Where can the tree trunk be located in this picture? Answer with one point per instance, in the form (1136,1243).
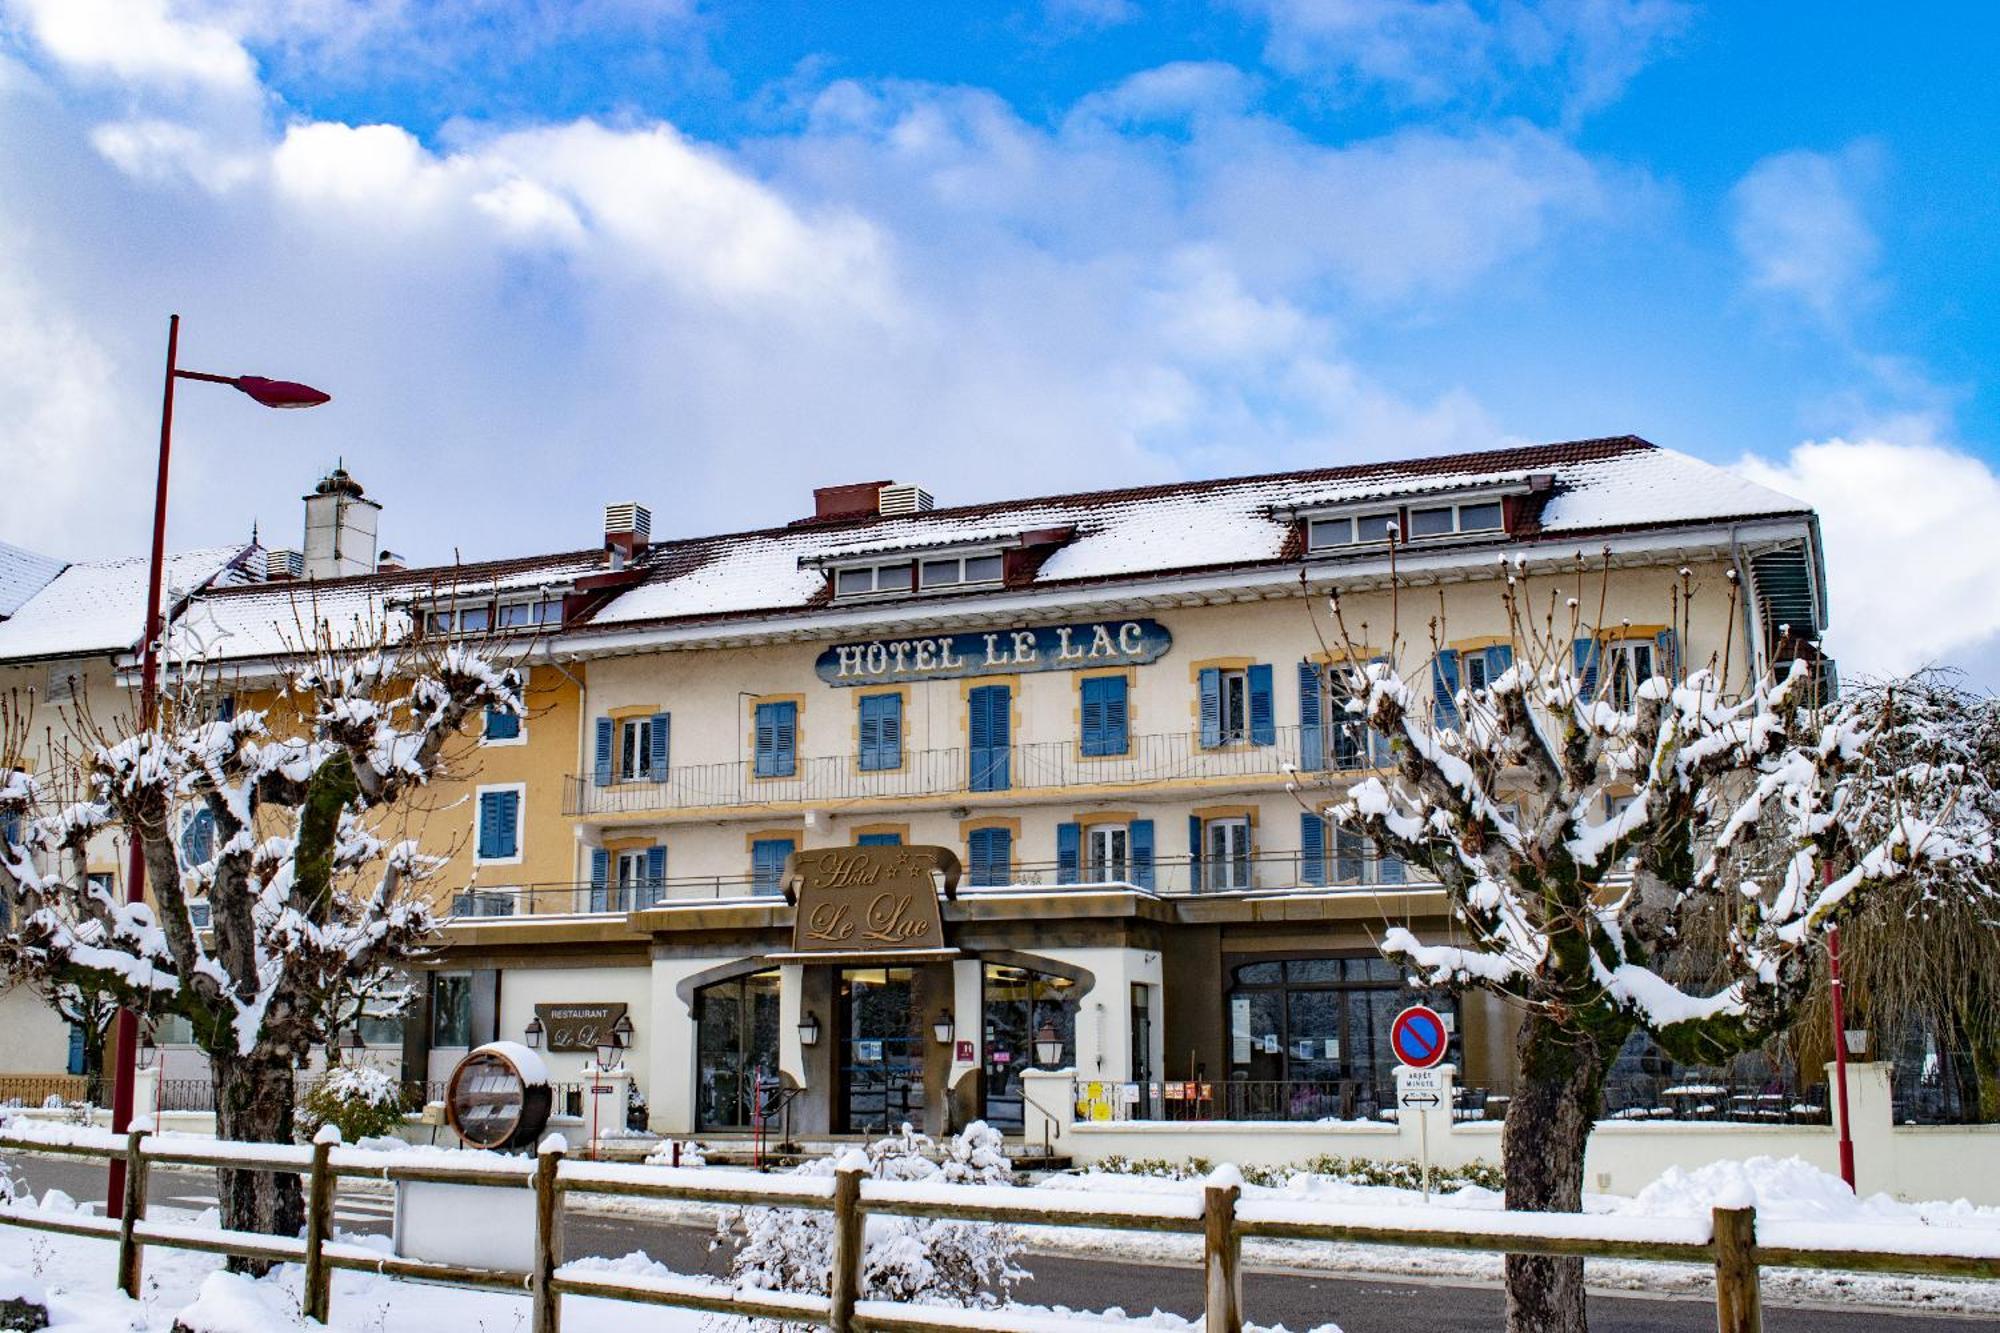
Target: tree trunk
(1558,1097)
(253,1104)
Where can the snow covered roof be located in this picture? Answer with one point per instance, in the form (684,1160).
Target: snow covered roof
(22,574)
(99,606)
(274,620)
(1598,487)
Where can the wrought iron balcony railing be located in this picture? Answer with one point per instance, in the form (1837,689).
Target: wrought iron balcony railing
(1159,758)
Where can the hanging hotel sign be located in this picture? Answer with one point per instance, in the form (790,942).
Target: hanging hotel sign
(869,899)
(578,1027)
(1098,643)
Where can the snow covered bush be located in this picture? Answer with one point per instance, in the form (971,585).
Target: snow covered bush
(360,1101)
(930,1261)
(1399,1173)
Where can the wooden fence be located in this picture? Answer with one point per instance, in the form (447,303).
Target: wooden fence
(1223,1219)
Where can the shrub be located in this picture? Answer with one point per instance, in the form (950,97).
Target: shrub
(359,1101)
(1400,1173)
(907,1259)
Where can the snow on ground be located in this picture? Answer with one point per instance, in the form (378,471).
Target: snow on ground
(75,1276)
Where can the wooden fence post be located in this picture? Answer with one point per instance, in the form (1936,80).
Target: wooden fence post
(546,1311)
(1739,1306)
(132,1254)
(1222,1260)
(319,1229)
(844,1284)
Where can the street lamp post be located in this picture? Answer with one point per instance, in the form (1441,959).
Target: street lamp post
(270,393)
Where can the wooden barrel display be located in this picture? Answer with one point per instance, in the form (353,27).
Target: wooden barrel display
(499,1097)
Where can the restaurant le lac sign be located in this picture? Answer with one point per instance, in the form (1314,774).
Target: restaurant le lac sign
(1097,643)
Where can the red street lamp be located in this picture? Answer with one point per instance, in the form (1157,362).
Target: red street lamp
(271,393)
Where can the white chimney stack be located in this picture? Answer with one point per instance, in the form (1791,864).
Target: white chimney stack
(340,528)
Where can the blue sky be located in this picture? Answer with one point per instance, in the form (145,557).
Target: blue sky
(548,255)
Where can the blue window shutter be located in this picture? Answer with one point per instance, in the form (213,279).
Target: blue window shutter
(1499,658)
(767,862)
(1069,853)
(988,722)
(788,738)
(502,726)
(662,745)
(656,876)
(602,772)
(879,840)
(1444,687)
(881,726)
(990,852)
(1211,708)
(1263,716)
(510,823)
(1105,716)
(76,1048)
(767,740)
(1312,848)
(777,739)
(600,877)
(1667,655)
(891,739)
(1140,836)
(1194,854)
(869,724)
(1588,656)
(1117,716)
(489,823)
(1312,712)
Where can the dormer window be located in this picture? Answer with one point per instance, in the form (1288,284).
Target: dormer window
(869,580)
(1350,529)
(480,617)
(957,571)
(1452,520)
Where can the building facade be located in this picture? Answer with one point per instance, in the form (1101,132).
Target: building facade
(1118,713)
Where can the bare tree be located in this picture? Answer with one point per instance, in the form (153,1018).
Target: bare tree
(306,903)
(1582,813)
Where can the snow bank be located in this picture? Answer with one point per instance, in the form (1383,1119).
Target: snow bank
(232,1303)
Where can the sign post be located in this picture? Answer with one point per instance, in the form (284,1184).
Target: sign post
(1421,1039)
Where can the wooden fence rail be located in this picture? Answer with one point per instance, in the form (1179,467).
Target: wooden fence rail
(1224,1220)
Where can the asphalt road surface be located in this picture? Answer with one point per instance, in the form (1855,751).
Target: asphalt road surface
(1358,1305)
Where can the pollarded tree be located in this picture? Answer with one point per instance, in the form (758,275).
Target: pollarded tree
(304,901)
(1583,812)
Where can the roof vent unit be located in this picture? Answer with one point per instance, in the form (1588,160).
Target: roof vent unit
(904,497)
(284,564)
(627,529)
(390,563)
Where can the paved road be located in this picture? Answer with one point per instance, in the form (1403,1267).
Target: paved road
(1358,1305)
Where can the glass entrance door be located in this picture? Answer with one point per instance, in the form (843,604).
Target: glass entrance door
(881,1053)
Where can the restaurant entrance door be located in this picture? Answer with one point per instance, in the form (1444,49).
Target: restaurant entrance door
(881,1052)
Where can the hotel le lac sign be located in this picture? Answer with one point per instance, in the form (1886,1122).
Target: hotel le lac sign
(1098,643)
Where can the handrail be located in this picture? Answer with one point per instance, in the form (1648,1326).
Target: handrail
(1727,1239)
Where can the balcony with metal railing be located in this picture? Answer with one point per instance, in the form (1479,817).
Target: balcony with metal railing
(1167,876)
(1171,759)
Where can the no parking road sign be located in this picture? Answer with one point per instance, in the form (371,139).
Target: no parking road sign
(1418,1036)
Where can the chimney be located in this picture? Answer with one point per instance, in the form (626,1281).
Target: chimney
(340,528)
(283,565)
(390,563)
(866,499)
(627,529)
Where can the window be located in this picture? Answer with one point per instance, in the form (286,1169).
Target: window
(879,840)
(767,863)
(641,877)
(499,823)
(989,856)
(1309,1037)
(1108,853)
(501,726)
(952,571)
(1468,671)
(437,622)
(1236,705)
(1324,532)
(381,1029)
(777,739)
(989,730)
(1375,527)
(1450,520)
(870,580)
(1351,742)
(736,1042)
(549,611)
(881,727)
(475,619)
(635,749)
(1226,853)
(1018,1005)
(1355,861)
(1105,853)
(451,1009)
(517,615)
(1628,665)
(197,838)
(1106,715)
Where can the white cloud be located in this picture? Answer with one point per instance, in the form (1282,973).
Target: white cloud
(1911,545)
(1801,230)
(162,150)
(147,42)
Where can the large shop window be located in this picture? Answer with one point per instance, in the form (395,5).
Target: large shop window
(1309,1037)
(1019,1004)
(736,1042)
